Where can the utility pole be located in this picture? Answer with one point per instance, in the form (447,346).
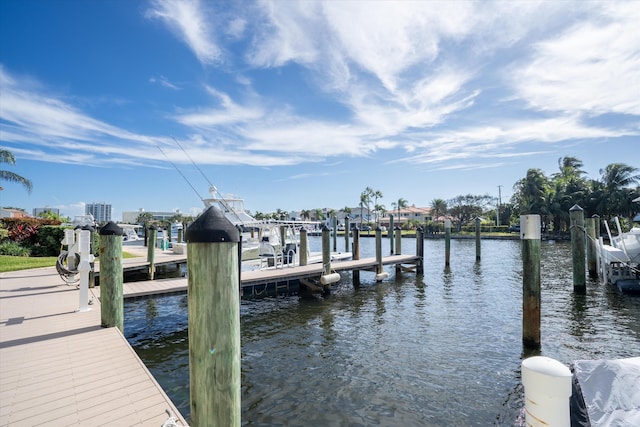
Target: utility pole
(499,203)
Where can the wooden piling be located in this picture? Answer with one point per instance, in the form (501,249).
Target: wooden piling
(346,234)
(530,236)
(335,233)
(478,227)
(304,246)
(420,250)
(151,250)
(379,266)
(398,242)
(576,215)
(390,231)
(592,241)
(180,235)
(326,255)
(447,242)
(355,254)
(214,320)
(111,294)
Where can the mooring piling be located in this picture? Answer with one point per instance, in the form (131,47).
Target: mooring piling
(355,255)
(592,246)
(478,239)
(576,215)
(447,242)
(335,233)
(151,250)
(420,250)
(304,246)
(346,234)
(111,278)
(530,237)
(214,320)
(390,231)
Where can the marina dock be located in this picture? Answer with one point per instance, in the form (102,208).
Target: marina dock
(58,366)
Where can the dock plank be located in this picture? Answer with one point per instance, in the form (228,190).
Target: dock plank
(59,367)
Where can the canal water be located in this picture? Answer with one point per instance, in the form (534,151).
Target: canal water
(439,350)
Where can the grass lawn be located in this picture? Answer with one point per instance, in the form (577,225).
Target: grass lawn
(15,263)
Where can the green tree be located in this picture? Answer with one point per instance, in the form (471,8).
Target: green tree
(440,207)
(400,204)
(7,157)
(566,189)
(376,194)
(465,208)
(616,179)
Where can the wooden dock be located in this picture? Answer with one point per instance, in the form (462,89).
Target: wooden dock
(268,276)
(58,367)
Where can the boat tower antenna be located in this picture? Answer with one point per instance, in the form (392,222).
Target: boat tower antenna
(181,174)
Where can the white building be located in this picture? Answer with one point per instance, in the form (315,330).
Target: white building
(100,211)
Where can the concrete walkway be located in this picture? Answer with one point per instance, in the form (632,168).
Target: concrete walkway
(58,367)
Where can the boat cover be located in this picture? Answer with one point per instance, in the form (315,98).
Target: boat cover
(606,393)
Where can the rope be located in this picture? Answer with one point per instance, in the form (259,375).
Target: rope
(69,276)
(171,421)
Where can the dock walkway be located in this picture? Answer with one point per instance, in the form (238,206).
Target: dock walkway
(58,367)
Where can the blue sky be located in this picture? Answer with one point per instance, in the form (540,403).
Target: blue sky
(301,105)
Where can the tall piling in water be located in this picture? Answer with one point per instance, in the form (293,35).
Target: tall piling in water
(390,231)
(478,227)
(111,288)
(346,234)
(447,242)
(592,258)
(530,237)
(576,215)
(335,233)
(214,320)
(355,255)
(151,251)
(420,250)
(304,246)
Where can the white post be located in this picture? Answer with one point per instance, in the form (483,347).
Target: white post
(84,268)
(72,250)
(547,389)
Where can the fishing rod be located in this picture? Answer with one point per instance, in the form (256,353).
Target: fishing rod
(211,186)
(180,172)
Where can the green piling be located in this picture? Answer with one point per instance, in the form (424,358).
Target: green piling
(214,320)
(530,235)
(576,215)
(111,293)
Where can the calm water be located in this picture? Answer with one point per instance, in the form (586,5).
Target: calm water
(439,350)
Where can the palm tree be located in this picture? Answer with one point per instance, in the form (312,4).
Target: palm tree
(400,204)
(7,157)
(377,194)
(306,214)
(616,177)
(365,199)
(318,214)
(439,206)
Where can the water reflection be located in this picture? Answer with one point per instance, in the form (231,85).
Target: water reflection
(441,349)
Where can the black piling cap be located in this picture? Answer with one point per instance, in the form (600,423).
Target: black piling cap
(111,229)
(212,226)
(153,227)
(89,228)
(575,208)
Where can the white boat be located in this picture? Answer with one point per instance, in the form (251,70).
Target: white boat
(270,243)
(620,259)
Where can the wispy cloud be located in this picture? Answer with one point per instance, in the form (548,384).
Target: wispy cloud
(592,68)
(163,81)
(188,22)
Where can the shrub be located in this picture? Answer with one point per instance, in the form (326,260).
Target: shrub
(14,249)
(47,241)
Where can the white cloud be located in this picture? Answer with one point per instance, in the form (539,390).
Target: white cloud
(593,67)
(187,20)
